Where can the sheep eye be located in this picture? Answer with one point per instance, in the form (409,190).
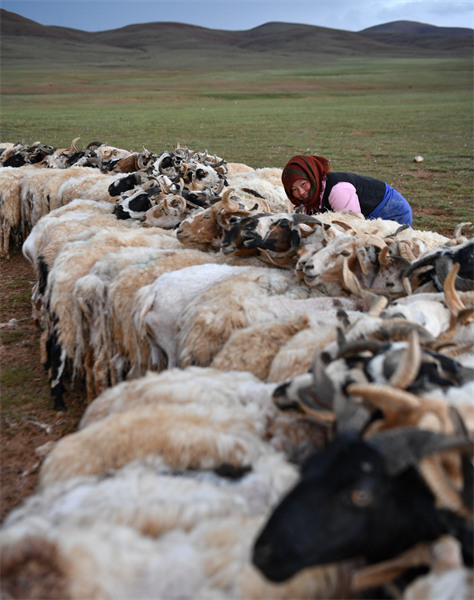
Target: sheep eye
(345,253)
(361,497)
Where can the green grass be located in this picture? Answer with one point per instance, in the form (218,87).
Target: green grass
(368,116)
(13,376)
(19,292)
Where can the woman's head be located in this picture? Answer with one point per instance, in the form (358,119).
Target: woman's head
(302,178)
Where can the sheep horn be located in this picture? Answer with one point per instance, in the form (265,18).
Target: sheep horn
(405,249)
(452,299)
(384,256)
(345,226)
(458,232)
(409,366)
(406,446)
(384,397)
(438,482)
(399,329)
(399,230)
(358,346)
(407,286)
(219,187)
(73,144)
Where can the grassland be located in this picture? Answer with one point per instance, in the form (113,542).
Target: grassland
(367,115)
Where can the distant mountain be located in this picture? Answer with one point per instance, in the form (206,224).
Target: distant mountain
(422,37)
(415,28)
(168,45)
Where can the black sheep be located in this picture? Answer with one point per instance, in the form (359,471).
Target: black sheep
(358,499)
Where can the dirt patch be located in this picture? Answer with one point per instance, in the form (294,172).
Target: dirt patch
(27,418)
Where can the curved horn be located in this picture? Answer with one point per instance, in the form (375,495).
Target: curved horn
(384,256)
(409,366)
(405,249)
(399,230)
(451,297)
(407,286)
(443,490)
(348,228)
(406,446)
(73,144)
(384,397)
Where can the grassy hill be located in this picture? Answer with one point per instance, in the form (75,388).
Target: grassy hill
(167,45)
(369,101)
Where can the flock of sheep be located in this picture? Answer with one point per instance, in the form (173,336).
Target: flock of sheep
(229,347)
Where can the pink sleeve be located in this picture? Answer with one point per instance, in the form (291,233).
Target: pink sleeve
(343,196)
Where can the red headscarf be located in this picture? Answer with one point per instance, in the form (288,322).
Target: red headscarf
(304,166)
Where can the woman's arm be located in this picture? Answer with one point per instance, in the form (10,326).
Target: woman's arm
(343,196)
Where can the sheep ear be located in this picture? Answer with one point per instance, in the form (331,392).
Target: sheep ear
(364,261)
(406,446)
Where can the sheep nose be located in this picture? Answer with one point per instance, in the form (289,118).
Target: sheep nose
(262,554)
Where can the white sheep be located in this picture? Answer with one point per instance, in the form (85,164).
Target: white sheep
(267,183)
(242,301)
(90,185)
(159,305)
(129,354)
(193,384)
(12,231)
(115,561)
(189,436)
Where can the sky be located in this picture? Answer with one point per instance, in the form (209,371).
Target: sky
(349,15)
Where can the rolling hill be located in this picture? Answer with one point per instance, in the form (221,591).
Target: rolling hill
(168,45)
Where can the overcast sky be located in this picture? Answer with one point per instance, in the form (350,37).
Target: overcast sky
(350,15)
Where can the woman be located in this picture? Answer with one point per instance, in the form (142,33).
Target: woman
(308,182)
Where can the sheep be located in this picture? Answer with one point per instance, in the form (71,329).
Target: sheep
(273,237)
(295,356)
(292,434)
(205,228)
(68,223)
(440,262)
(11,228)
(89,186)
(253,348)
(153,499)
(190,436)
(128,351)
(41,190)
(168,213)
(257,297)
(347,487)
(236,168)
(90,309)
(267,183)
(73,261)
(114,561)
(159,305)
(324,268)
(202,330)
(193,384)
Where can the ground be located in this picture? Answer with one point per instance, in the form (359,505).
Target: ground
(28,420)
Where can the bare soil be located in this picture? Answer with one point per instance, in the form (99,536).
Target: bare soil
(27,417)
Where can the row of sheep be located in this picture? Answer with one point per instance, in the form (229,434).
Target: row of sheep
(212,375)
(165,187)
